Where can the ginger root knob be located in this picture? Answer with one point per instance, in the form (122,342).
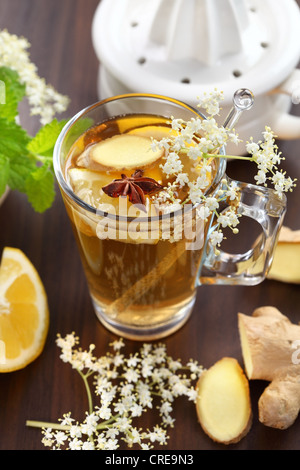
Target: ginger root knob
(267,341)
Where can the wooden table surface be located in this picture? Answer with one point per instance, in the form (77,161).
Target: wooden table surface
(59,32)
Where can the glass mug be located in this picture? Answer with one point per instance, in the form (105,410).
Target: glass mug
(142,271)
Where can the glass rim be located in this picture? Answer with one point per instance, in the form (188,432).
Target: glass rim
(220,173)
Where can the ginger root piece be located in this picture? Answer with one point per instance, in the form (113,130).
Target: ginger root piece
(223,402)
(120,152)
(268,346)
(286,262)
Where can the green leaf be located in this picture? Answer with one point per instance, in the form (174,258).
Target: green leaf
(4,173)
(12,78)
(13,146)
(44,141)
(22,173)
(19,170)
(14,92)
(39,188)
(14,139)
(20,154)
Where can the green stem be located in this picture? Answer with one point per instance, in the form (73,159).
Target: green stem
(44,424)
(64,427)
(107,424)
(233,157)
(67,427)
(89,395)
(88,390)
(218,155)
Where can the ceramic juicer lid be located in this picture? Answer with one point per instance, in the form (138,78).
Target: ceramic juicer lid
(182,48)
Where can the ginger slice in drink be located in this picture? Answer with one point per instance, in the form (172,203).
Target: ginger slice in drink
(158,132)
(120,152)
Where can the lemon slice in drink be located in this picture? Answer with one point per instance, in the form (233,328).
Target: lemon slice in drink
(155,132)
(24,313)
(87,185)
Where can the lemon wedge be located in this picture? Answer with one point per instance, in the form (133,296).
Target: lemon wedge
(24,313)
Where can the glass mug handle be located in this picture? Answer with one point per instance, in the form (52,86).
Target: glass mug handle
(250,268)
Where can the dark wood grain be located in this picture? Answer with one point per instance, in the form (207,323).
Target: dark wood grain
(59,31)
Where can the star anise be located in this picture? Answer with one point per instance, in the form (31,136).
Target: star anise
(134,186)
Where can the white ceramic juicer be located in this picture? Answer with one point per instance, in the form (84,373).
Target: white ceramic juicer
(182,48)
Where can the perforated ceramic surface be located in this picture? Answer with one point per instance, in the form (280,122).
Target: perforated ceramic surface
(182,48)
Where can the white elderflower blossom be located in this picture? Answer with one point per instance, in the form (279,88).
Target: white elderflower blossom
(60,438)
(131,375)
(211,203)
(166,408)
(75,444)
(124,390)
(201,140)
(232,192)
(75,431)
(261,177)
(194,153)
(118,344)
(216,238)
(104,412)
(203,212)
(182,179)
(228,219)
(211,102)
(43,99)
(177,124)
(88,446)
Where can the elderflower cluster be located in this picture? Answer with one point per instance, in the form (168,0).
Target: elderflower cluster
(190,154)
(125,388)
(265,155)
(43,99)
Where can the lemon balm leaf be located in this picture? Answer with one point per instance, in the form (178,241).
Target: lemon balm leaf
(9,108)
(44,141)
(14,92)
(39,187)
(14,139)
(20,154)
(13,147)
(19,167)
(19,170)
(4,173)
(11,77)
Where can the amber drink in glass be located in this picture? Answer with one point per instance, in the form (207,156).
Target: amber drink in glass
(142,261)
